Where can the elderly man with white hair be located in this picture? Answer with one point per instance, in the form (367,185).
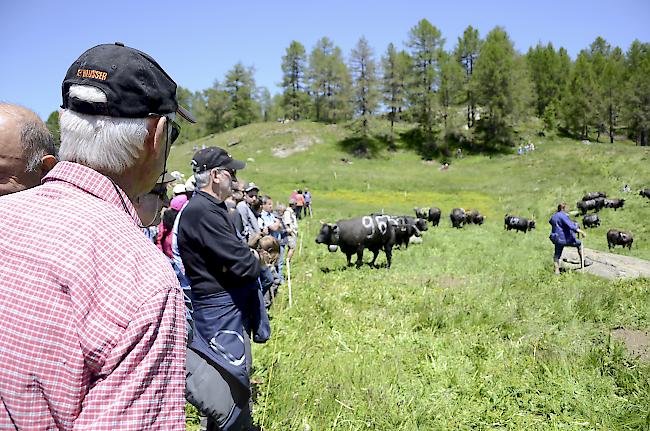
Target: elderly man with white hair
(93,317)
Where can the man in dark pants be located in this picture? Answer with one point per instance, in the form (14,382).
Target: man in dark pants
(563,234)
(227,302)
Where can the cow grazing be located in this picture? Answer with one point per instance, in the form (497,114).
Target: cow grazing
(429,214)
(421,212)
(593,195)
(474,217)
(618,237)
(614,203)
(591,220)
(434,216)
(404,228)
(354,235)
(593,204)
(520,224)
(457,217)
(645,193)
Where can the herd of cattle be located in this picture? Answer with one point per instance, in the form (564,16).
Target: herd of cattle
(377,232)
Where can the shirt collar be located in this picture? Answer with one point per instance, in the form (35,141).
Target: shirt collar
(94,183)
(211,198)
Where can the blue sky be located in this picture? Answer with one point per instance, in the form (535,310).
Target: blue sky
(198,42)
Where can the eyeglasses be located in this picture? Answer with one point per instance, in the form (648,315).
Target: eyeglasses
(175,131)
(231,172)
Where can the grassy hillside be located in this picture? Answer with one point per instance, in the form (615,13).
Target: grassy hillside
(469,329)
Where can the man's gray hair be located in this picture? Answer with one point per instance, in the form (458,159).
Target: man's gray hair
(35,138)
(37,142)
(202,179)
(103,143)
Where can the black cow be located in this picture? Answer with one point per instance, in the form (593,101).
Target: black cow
(614,203)
(618,237)
(645,193)
(434,216)
(593,195)
(593,204)
(474,217)
(404,228)
(591,220)
(421,212)
(354,235)
(520,224)
(458,217)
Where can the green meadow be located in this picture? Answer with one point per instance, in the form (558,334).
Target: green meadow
(469,329)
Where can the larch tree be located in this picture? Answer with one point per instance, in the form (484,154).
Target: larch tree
(294,69)
(637,92)
(329,81)
(426,44)
(395,75)
(578,106)
(466,53)
(363,69)
(240,87)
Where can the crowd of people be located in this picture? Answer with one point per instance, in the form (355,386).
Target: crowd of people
(118,302)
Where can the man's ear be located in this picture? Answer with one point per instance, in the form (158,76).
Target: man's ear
(47,163)
(159,139)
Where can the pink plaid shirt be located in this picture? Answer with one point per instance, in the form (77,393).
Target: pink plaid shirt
(93,325)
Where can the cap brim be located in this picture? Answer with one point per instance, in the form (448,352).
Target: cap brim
(235,165)
(185,114)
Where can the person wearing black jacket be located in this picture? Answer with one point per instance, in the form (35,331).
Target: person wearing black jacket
(223,273)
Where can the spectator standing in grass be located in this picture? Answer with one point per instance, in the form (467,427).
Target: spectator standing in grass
(27,150)
(93,319)
(307,196)
(226,300)
(300,204)
(291,226)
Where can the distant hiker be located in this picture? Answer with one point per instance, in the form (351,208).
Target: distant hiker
(300,203)
(563,234)
(626,188)
(307,196)
(459,153)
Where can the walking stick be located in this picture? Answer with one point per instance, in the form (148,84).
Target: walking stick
(289,282)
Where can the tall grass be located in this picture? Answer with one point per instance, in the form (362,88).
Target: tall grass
(468,330)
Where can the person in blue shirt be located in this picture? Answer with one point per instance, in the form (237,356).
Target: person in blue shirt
(563,233)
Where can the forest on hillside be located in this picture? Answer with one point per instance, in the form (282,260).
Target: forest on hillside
(473,95)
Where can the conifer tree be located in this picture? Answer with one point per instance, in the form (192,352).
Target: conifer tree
(240,87)
(466,53)
(395,68)
(500,83)
(329,82)
(365,83)
(425,43)
(578,105)
(295,97)
(637,92)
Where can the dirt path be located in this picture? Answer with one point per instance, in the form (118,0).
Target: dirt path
(607,265)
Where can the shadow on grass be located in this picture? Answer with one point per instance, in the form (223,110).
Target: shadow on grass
(363,146)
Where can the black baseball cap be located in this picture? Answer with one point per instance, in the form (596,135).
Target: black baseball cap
(134,84)
(214,157)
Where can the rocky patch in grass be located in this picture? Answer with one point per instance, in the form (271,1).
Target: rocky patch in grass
(637,342)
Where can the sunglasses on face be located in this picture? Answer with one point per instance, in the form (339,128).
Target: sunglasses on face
(175,130)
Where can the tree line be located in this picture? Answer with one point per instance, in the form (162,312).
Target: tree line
(474,94)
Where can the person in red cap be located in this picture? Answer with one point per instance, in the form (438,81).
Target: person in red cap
(93,317)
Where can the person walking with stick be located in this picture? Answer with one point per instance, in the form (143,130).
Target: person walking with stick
(563,234)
